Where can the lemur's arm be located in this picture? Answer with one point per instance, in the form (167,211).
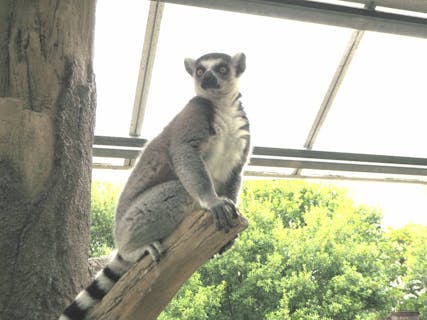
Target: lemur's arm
(232,187)
(191,133)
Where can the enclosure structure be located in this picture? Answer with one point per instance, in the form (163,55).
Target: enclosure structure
(334,89)
(352,108)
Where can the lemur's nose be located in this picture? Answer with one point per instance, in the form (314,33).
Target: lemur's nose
(209,81)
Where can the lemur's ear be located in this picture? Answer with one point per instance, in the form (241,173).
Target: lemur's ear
(239,62)
(190,65)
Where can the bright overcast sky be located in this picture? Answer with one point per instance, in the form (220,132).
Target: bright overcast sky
(381,107)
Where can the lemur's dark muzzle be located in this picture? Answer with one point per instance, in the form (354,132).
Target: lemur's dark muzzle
(209,81)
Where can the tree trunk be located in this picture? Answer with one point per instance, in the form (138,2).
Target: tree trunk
(145,290)
(47,106)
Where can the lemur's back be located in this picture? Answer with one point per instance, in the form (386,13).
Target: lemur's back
(155,164)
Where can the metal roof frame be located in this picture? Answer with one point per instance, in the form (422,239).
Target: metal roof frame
(407,5)
(332,91)
(146,67)
(326,13)
(401,169)
(264,157)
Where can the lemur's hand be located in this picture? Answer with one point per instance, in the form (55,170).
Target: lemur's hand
(224,214)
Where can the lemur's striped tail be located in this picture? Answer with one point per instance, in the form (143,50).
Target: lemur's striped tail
(103,282)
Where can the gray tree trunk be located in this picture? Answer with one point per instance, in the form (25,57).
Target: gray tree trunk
(47,107)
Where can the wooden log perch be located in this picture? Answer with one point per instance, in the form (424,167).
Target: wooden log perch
(145,290)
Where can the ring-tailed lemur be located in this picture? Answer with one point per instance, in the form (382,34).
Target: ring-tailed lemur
(195,162)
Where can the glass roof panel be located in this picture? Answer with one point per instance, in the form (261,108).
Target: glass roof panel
(381,107)
(118,48)
(289,67)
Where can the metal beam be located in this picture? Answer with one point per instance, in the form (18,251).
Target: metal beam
(146,67)
(279,175)
(129,148)
(123,153)
(338,156)
(408,5)
(108,166)
(334,86)
(123,143)
(337,166)
(319,12)
(119,141)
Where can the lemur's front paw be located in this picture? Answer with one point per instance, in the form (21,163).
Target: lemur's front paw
(225,214)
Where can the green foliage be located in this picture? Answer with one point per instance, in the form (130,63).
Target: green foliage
(309,253)
(197,301)
(410,256)
(104,201)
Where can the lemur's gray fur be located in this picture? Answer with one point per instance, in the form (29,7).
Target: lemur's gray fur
(195,162)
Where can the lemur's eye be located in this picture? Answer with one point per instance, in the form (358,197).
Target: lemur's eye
(223,70)
(200,71)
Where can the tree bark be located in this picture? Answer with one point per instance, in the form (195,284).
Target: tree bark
(145,290)
(47,108)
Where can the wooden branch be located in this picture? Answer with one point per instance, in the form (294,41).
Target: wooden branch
(145,290)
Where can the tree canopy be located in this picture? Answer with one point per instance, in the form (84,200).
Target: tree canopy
(309,253)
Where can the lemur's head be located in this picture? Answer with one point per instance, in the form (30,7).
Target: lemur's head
(216,75)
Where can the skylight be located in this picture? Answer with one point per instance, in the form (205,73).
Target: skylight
(119,38)
(289,66)
(381,106)
(377,104)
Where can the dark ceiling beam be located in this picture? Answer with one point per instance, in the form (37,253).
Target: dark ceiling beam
(333,88)
(341,177)
(323,13)
(148,55)
(338,156)
(408,5)
(263,157)
(337,166)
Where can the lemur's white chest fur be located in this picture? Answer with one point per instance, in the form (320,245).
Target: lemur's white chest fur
(225,148)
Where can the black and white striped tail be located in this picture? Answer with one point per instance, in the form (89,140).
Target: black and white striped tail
(99,287)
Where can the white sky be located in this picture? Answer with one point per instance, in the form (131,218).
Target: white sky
(381,107)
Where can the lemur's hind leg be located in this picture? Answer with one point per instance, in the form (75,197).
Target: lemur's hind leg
(158,247)
(154,215)
(155,250)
